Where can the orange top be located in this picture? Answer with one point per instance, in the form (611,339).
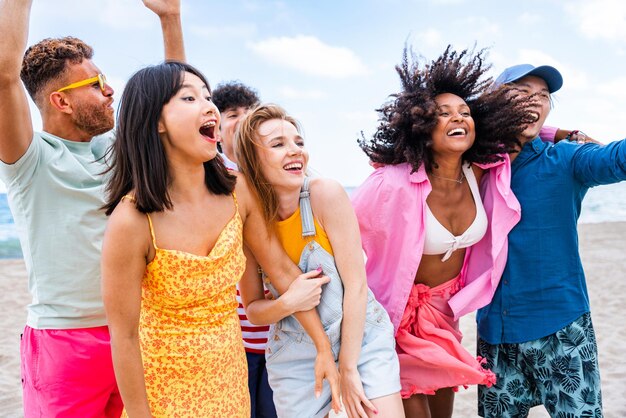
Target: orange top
(289,232)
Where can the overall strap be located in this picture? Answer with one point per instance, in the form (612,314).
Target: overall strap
(306,213)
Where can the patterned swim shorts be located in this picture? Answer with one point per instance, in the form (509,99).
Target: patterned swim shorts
(559,371)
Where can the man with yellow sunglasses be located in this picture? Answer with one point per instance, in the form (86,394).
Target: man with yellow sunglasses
(55,188)
(100,79)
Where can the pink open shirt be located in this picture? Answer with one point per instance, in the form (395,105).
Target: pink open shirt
(390,208)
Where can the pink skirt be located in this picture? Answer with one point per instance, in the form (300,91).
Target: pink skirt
(429,347)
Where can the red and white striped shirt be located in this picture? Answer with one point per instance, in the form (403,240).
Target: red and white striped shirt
(254,336)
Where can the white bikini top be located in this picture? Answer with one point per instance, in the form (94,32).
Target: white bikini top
(439,240)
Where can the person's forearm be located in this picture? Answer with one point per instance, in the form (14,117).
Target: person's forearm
(14,16)
(353,323)
(129,374)
(267,312)
(282,276)
(173,42)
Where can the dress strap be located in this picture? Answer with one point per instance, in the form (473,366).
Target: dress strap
(152,232)
(129,197)
(306,213)
(236,203)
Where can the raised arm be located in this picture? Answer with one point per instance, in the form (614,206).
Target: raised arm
(171,27)
(594,164)
(270,254)
(16,130)
(124,253)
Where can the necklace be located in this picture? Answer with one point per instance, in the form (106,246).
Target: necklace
(459,180)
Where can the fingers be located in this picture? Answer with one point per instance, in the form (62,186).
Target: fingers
(368,404)
(333,381)
(311,274)
(318,382)
(322,280)
(355,410)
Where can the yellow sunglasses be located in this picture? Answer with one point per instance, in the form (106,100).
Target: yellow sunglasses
(100,78)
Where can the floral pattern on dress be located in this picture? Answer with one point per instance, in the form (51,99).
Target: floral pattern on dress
(193,356)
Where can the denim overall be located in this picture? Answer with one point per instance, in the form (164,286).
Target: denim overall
(291,353)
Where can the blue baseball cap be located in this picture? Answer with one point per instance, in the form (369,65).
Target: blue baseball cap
(550,75)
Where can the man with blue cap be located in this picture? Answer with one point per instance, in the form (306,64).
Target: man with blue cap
(536,335)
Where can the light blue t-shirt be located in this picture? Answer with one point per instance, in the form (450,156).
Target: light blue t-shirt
(55,192)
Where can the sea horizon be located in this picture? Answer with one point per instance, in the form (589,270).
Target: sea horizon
(602,204)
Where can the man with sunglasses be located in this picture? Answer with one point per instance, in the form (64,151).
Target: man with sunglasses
(56,188)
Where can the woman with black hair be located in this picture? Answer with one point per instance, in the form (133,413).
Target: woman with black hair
(172,255)
(435,215)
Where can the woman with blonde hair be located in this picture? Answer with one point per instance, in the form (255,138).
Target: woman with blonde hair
(318,229)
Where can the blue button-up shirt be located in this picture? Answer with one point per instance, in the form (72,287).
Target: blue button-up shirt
(543,286)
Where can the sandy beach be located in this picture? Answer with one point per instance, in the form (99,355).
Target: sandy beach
(602,251)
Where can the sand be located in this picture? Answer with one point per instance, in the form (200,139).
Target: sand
(602,249)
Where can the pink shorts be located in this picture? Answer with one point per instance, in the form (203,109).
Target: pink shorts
(68,373)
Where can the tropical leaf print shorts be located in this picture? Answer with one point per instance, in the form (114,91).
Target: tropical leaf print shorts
(559,371)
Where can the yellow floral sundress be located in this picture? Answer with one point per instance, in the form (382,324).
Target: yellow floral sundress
(193,356)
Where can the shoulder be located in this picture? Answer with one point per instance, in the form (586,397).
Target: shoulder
(324,189)
(390,177)
(563,152)
(28,164)
(330,203)
(127,235)
(327,196)
(100,144)
(246,197)
(127,219)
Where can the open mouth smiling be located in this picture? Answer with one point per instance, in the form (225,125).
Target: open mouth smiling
(457,132)
(293,166)
(207,130)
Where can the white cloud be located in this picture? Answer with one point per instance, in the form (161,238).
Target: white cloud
(311,56)
(614,88)
(430,38)
(310,94)
(529,18)
(484,30)
(573,78)
(599,19)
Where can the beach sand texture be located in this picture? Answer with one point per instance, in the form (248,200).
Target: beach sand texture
(605,264)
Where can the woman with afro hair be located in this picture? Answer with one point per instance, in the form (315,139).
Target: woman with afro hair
(434,216)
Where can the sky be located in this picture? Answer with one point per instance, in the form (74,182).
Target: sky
(330,64)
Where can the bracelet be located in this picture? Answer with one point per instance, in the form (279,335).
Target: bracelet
(580,138)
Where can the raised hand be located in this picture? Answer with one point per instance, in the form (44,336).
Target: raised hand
(163,7)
